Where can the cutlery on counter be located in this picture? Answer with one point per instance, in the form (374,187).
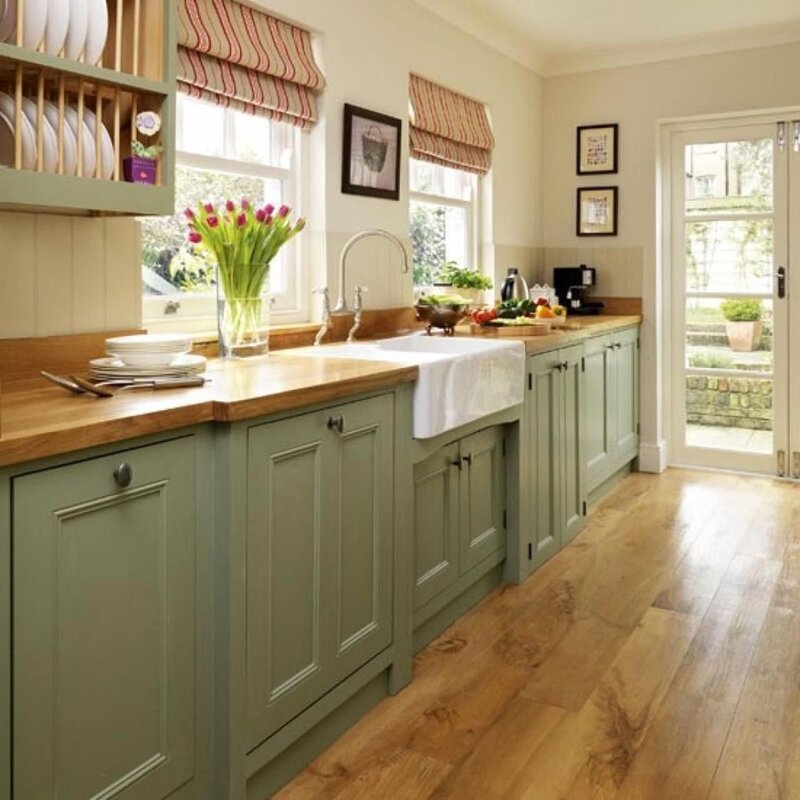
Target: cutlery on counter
(78,385)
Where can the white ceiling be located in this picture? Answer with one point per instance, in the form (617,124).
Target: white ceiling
(555,36)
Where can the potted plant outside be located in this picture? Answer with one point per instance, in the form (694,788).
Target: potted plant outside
(743,323)
(142,166)
(469,282)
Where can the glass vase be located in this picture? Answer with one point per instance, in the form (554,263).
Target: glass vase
(243,324)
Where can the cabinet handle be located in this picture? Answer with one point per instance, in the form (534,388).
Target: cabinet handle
(123,475)
(456,462)
(618,345)
(467,459)
(336,424)
(565,365)
(609,347)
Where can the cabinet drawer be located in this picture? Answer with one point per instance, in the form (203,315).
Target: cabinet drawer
(104,625)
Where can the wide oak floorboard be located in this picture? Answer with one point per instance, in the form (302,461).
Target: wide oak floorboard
(655,658)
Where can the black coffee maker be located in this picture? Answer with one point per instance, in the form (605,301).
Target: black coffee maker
(572,285)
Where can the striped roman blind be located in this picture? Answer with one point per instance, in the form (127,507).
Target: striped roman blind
(448,128)
(235,56)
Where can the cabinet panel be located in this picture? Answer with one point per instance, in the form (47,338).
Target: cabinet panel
(543,443)
(364,477)
(599,408)
(626,431)
(571,403)
(482,496)
(105,626)
(436,523)
(285,511)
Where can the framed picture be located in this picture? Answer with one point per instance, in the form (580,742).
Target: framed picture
(371,153)
(597,211)
(598,149)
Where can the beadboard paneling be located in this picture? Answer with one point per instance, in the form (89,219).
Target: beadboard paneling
(63,275)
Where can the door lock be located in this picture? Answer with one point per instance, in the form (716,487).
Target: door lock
(781,276)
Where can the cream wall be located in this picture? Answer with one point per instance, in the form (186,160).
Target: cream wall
(639,98)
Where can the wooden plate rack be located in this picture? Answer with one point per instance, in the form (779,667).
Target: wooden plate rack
(134,73)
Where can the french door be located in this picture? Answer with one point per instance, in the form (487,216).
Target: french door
(735,201)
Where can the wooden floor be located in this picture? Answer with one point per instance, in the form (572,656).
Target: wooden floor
(656,658)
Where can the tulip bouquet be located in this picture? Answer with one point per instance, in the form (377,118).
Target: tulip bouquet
(243,239)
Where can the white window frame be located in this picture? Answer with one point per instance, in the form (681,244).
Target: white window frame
(198,313)
(472,206)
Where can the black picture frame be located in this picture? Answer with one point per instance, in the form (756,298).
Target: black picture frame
(583,154)
(371,140)
(588,227)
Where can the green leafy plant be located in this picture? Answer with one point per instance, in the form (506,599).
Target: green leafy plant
(140,150)
(735,310)
(453,275)
(711,361)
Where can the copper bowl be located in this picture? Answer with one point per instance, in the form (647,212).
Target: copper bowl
(445,316)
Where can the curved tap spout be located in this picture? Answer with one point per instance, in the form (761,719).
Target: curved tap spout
(341,303)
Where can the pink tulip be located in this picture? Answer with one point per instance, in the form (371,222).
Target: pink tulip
(261,215)
(230,205)
(209,208)
(195,237)
(268,209)
(245,204)
(284,211)
(241,220)
(212,221)
(301,223)
(188,213)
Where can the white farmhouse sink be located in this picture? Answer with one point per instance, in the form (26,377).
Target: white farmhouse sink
(460,380)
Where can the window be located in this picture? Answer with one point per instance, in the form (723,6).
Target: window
(443,219)
(221,154)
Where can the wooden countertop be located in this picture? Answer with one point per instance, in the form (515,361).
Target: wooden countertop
(576,330)
(38,419)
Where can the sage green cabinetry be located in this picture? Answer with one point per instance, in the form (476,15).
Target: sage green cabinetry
(319,555)
(556,490)
(106,626)
(612,404)
(459,511)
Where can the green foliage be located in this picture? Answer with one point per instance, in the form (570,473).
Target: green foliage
(451,274)
(427,242)
(735,310)
(711,361)
(152,151)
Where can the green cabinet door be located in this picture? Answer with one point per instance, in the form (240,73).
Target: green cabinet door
(543,441)
(570,452)
(436,523)
(319,541)
(104,643)
(626,368)
(483,496)
(599,385)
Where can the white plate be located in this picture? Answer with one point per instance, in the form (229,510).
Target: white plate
(112,367)
(142,340)
(55,32)
(49,138)
(6,141)
(89,153)
(78,27)
(70,142)
(106,143)
(35,23)
(97,31)
(8,109)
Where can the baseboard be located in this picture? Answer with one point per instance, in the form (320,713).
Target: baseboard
(653,457)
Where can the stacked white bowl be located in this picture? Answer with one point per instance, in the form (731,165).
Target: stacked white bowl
(150,350)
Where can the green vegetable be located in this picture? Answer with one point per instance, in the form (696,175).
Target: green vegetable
(509,309)
(442,300)
(452,274)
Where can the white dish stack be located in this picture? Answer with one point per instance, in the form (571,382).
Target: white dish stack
(153,355)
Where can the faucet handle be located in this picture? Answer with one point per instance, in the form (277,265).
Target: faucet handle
(358,297)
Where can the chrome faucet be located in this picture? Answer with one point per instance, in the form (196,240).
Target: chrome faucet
(341,304)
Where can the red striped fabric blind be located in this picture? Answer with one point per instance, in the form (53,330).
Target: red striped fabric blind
(448,128)
(235,56)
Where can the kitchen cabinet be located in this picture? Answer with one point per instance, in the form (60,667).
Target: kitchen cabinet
(106,625)
(459,511)
(612,404)
(554,417)
(319,534)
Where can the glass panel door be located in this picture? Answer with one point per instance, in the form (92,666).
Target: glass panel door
(729,341)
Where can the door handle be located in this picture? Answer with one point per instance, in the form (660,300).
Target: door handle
(781,276)
(336,424)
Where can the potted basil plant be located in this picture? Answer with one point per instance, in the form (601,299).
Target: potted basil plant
(743,323)
(470,283)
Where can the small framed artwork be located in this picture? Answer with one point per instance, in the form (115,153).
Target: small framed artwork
(597,211)
(598,149)
(371,153)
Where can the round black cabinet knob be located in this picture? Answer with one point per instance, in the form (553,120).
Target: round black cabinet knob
(123,475)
